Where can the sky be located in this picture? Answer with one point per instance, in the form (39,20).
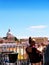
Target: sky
(24,18)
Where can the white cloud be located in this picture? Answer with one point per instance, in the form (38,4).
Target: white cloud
(37,27)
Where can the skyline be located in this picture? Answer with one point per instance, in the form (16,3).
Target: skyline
(25,18)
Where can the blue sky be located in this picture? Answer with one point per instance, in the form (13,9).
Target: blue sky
(24,17)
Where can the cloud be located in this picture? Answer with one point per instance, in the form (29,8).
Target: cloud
(37,27)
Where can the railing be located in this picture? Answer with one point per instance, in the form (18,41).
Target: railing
(22,56)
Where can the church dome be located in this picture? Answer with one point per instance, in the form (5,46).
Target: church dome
(9,34)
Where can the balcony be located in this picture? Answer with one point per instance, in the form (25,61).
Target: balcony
(22,56)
